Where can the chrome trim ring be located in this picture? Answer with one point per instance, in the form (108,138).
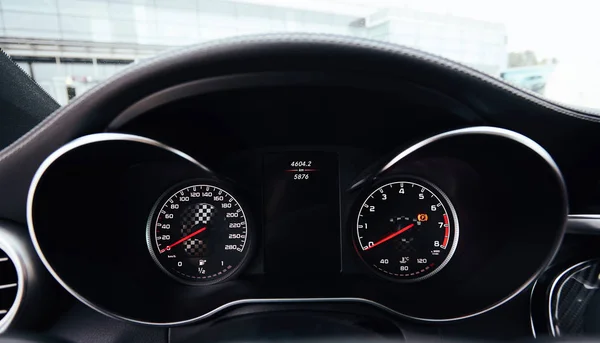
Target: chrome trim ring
(85,140)
(479,130)
(508,134)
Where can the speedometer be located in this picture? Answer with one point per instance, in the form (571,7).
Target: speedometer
(199,233)
(406,230)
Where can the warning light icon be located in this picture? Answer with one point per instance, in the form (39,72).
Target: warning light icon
(422,217)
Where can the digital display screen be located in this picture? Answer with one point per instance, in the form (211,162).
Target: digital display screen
(302,213)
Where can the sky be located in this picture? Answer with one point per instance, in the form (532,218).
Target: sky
(551,28)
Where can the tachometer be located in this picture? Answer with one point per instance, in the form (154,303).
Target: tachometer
(199,233)
(406,230)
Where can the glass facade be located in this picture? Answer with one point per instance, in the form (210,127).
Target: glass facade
(70,45)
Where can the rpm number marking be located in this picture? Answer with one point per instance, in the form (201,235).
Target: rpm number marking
(406,230)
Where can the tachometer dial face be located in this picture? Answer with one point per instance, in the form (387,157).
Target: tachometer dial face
(199,234)
(406,230)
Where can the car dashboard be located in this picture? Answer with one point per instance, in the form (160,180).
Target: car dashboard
(397,192)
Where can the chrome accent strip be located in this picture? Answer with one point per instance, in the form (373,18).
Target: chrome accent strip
(117,136)
(10,285)
(531,310)
(8,247)
(585,216)
(3,259)
(584,224)
(551,293)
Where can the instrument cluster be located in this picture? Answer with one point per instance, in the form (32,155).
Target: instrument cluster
(199,232)
(430,224)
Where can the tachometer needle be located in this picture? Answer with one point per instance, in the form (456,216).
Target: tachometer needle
(387,238)
(169,247)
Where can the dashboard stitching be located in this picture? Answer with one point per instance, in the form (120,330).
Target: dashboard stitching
(290,38)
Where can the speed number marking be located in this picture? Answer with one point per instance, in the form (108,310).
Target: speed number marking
(199,233)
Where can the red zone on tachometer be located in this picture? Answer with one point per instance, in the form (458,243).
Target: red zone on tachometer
(404,230)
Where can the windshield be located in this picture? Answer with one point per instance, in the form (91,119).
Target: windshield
(547,47)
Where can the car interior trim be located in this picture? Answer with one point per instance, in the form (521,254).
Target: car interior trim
(590,220)
(585,224)
(485,130)
(595,219)
(533,332)
(93,138)
(551,292)
(9,248)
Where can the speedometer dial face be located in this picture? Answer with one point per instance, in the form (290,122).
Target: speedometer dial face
(199,234)
(406,230)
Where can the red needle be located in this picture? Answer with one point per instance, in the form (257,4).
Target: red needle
(387,238)
(183,239)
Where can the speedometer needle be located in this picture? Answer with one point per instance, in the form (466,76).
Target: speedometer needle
(387,238)
(183,239)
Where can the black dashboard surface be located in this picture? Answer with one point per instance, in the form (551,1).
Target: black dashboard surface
(231,105)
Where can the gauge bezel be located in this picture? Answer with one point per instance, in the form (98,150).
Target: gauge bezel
(248,245)
(448,206)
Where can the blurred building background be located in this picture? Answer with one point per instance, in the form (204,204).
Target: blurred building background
(68,46)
